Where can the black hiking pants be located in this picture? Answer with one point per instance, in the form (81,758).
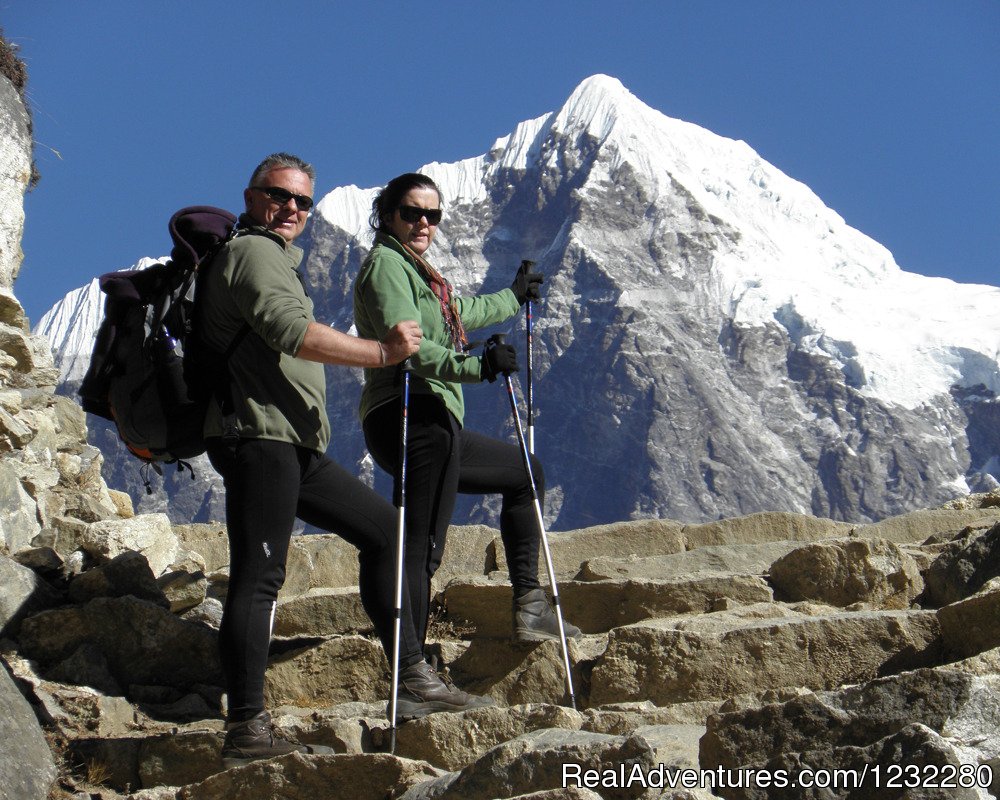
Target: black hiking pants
(443,459)
(269,484)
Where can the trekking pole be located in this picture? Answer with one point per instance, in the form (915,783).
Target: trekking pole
(529,393)
(498,338)
(405,368)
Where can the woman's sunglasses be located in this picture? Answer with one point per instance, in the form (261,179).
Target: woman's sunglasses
(412,214)
(282,196)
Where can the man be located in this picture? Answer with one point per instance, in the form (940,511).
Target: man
(269,448)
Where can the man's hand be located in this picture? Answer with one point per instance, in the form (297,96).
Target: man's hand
(402,341)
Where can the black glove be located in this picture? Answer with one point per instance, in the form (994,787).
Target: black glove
(498,359)
(527,284)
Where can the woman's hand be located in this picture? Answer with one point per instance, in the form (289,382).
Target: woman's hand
(498,359)
(527,284)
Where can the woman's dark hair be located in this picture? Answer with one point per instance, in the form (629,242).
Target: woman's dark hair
(391,197)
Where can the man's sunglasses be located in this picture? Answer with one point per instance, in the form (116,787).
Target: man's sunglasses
(412,214)
(282,196)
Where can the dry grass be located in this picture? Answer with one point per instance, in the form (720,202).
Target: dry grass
(97,773)
(74,777)
(440,628)
(11,67)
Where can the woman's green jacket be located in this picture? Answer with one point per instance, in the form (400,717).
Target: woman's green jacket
(389,289)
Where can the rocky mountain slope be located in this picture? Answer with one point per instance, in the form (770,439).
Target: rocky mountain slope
(782,646)
(714,340)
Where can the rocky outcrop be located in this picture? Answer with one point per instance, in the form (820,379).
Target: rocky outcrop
(44,458)
(27,766)
(938,722)
(964,566)
(843,572)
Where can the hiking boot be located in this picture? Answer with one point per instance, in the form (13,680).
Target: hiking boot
(254,739)
(535,621)
(423,691)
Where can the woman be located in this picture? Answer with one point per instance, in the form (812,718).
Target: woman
(443,458)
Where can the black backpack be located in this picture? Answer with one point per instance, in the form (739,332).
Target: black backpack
(149,372)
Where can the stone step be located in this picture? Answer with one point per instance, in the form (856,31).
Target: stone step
(547,759)
(754,648)
(339,670)
(172,758)
(766,526)
(321,612)
(917,526)
(650,537)
(737,559)
(972,625)
(362,776)
(484,605)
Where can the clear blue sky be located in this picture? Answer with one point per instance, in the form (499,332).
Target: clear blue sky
(888,110)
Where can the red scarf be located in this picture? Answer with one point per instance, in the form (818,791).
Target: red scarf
(446,298)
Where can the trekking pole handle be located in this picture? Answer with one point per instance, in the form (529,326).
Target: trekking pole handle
(403,368)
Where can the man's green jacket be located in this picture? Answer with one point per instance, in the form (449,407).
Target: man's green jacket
(276,396)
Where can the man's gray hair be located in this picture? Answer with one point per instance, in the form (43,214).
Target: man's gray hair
(281,161)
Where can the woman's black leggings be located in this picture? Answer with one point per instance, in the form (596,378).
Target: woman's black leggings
(269,484)
(443,459)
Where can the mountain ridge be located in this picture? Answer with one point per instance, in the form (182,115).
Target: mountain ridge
(713,339)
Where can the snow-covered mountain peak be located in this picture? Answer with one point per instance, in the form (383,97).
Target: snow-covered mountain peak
(347,207)
(780,255)
(740,346)
(598,104)
(71,325)
(520,149)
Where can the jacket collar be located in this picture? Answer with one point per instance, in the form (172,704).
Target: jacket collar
(390,241)
(246,225)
